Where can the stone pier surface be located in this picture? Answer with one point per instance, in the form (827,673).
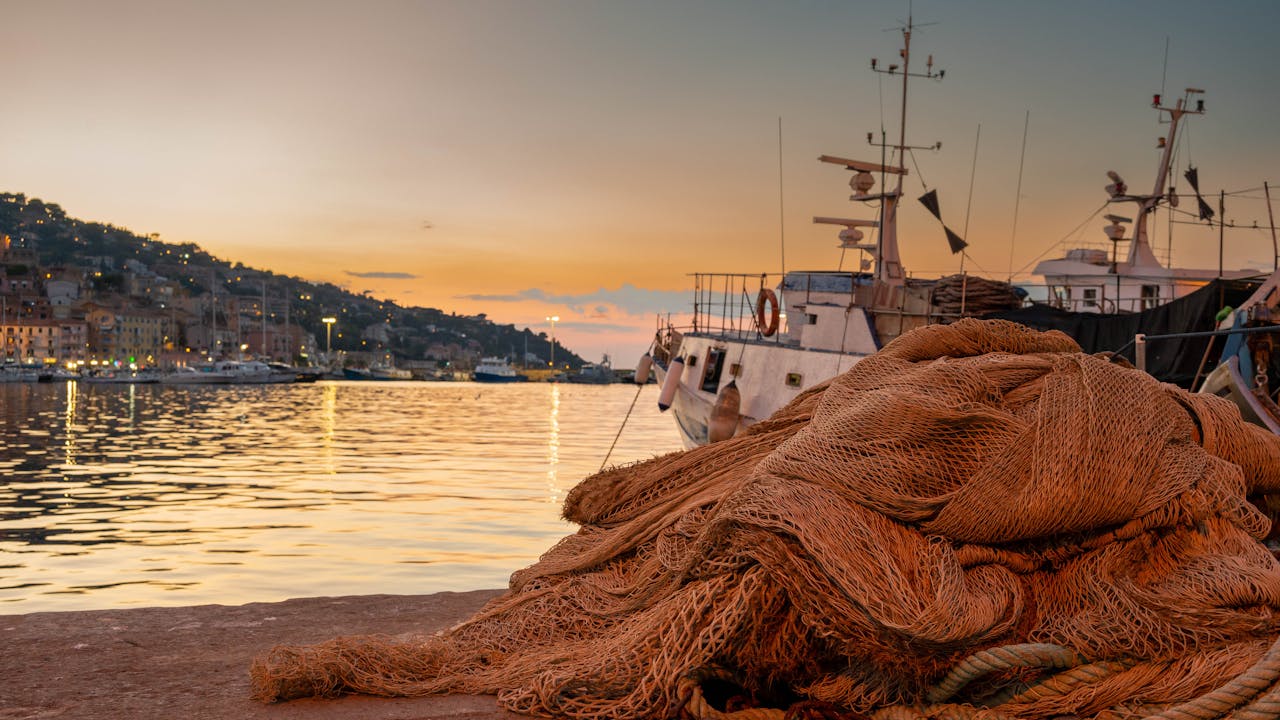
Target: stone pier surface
(193,662)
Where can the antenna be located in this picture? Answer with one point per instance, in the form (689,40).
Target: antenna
(1164,72)
(782,225)
(1017,199)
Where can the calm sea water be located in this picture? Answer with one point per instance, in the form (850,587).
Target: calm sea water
(119,496)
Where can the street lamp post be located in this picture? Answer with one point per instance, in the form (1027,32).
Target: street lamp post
(328,333)
(553,320)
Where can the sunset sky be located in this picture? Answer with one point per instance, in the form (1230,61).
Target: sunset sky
(528,158)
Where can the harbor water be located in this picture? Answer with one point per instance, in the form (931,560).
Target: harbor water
(143,495)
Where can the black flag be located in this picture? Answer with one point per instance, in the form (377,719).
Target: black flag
(930,201)
(1193,176)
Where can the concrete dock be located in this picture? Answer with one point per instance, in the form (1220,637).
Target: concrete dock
(193,662)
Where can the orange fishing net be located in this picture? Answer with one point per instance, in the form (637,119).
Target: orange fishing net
(977,521)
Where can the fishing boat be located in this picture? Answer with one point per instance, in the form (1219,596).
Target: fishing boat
(1091,280)
(496,370)
(755,342)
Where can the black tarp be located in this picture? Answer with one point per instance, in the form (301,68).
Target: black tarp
(1175,360)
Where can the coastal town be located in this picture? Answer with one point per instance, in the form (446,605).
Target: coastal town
(82,298)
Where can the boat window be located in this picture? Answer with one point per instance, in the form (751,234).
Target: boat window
(1150,296)
(794,379)
(1090,297)
(693,361)
(811,318)
(715,365)
(735,370)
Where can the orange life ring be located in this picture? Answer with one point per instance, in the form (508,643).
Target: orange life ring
(768,324)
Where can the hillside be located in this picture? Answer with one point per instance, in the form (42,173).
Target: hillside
(411,333)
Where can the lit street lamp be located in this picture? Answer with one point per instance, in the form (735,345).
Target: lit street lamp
(553,319)
(328,333)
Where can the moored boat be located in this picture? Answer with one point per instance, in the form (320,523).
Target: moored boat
(389,372)
(600,373)
(496,370)
(740,361)
(803,327)
(195,375)
(122,376)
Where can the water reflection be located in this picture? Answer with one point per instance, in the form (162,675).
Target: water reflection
(148,494)
(553,446)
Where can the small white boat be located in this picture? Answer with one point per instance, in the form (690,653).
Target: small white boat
(121,377)
(199,375)
(496,370)
(388,372)
(247,372)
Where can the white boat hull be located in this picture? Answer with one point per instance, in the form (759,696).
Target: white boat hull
(769,376)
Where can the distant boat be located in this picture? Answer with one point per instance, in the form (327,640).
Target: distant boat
(594,373)
(122,377)
(289,373)
(202,375)
(377,372)
(497,370)
(389,372)
(249,372)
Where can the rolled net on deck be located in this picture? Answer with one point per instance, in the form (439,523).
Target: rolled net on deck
(977,521)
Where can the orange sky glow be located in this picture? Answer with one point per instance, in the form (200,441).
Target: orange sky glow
(582,158)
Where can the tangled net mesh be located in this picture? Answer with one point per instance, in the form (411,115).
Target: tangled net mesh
(977,521)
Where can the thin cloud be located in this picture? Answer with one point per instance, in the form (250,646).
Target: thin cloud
(628,298)
(383,275)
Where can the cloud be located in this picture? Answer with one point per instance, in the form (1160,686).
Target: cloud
(383,275)
(628,298)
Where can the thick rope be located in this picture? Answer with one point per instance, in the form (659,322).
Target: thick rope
(1062,683)
(1240,690)
(1002,658)
(1266,707)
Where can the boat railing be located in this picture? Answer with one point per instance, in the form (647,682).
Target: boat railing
(1101,298)
(726,304)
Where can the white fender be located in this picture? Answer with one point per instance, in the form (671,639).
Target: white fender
(724,414)
(674,372)
(643,369)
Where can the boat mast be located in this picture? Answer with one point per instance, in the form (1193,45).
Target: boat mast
(885,249)
(888,260)
(1140,253)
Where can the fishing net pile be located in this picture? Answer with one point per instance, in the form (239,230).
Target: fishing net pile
(977,521)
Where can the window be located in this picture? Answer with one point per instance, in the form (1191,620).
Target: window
(715,365)
(1091,297)
(811,319)
(794,379)
(1150,296)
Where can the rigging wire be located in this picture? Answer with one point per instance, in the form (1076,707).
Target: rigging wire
(1063,239)
(919,174)
(1017,201)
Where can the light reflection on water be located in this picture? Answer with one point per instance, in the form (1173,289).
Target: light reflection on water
(128,495)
